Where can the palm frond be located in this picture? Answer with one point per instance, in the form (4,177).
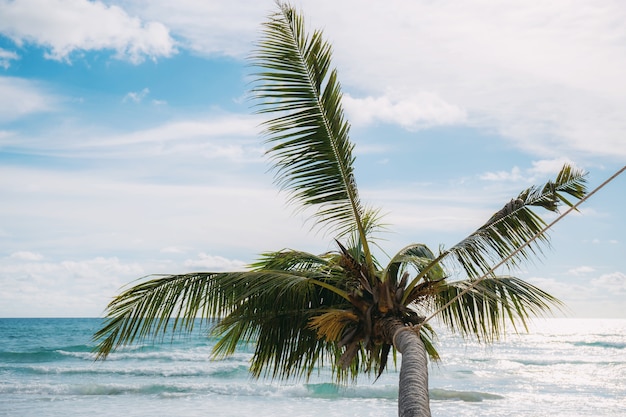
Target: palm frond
(373,226)
(290,260)
(485,310)
(319,266)
(517,223)
(173,302)
(419,257)
(311,151)
(277,323)
(149,308)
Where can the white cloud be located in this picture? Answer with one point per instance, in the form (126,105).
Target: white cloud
(615,282)
(215,263)
(26,256)
(581,270)
(207,27)
(108,266)
(514,175)
(547,167)
(539,171)
(232,138)
(132,229)
(173,249)
(547,75)
(564,291)
(421,209)
(581,299)
(226,126)
(136,96)
(504,67)
(19,97)
(226,137)
(82,287)
(66,26)
(6,57)
(420,111)
(135,216)
(441,218)
(216,127)
(76,288)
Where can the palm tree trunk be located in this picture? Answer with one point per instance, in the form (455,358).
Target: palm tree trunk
(413,398)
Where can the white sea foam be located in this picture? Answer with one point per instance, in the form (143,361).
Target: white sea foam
(561,368)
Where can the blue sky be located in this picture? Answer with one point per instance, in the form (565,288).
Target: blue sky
(128,147)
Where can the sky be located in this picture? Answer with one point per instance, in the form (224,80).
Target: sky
(129,145)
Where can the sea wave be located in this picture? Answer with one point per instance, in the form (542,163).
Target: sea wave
(46,354)
(202,354)
(217,370)
(177,389)
(88,389)
(30,357)
(50,371)
(601,344)
(438,394)
(331,390)
(84,352)
(592,361)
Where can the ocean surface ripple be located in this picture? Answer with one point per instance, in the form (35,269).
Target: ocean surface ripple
(562,367)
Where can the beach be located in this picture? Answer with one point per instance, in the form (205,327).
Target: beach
(563,367)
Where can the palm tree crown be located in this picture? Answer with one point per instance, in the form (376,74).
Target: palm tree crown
(339,308)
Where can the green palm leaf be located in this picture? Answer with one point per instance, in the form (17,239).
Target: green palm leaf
(270,307)
(311,150)
(515,229)
(285,344)
(147,309)
(276,320)
(508,230)
(418,256)
(489,305)
(174,302)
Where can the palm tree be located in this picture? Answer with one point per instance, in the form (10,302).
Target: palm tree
(342,308)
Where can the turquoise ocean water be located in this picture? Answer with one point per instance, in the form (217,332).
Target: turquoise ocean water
(564,367)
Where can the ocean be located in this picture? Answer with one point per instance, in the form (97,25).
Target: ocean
(563,367)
